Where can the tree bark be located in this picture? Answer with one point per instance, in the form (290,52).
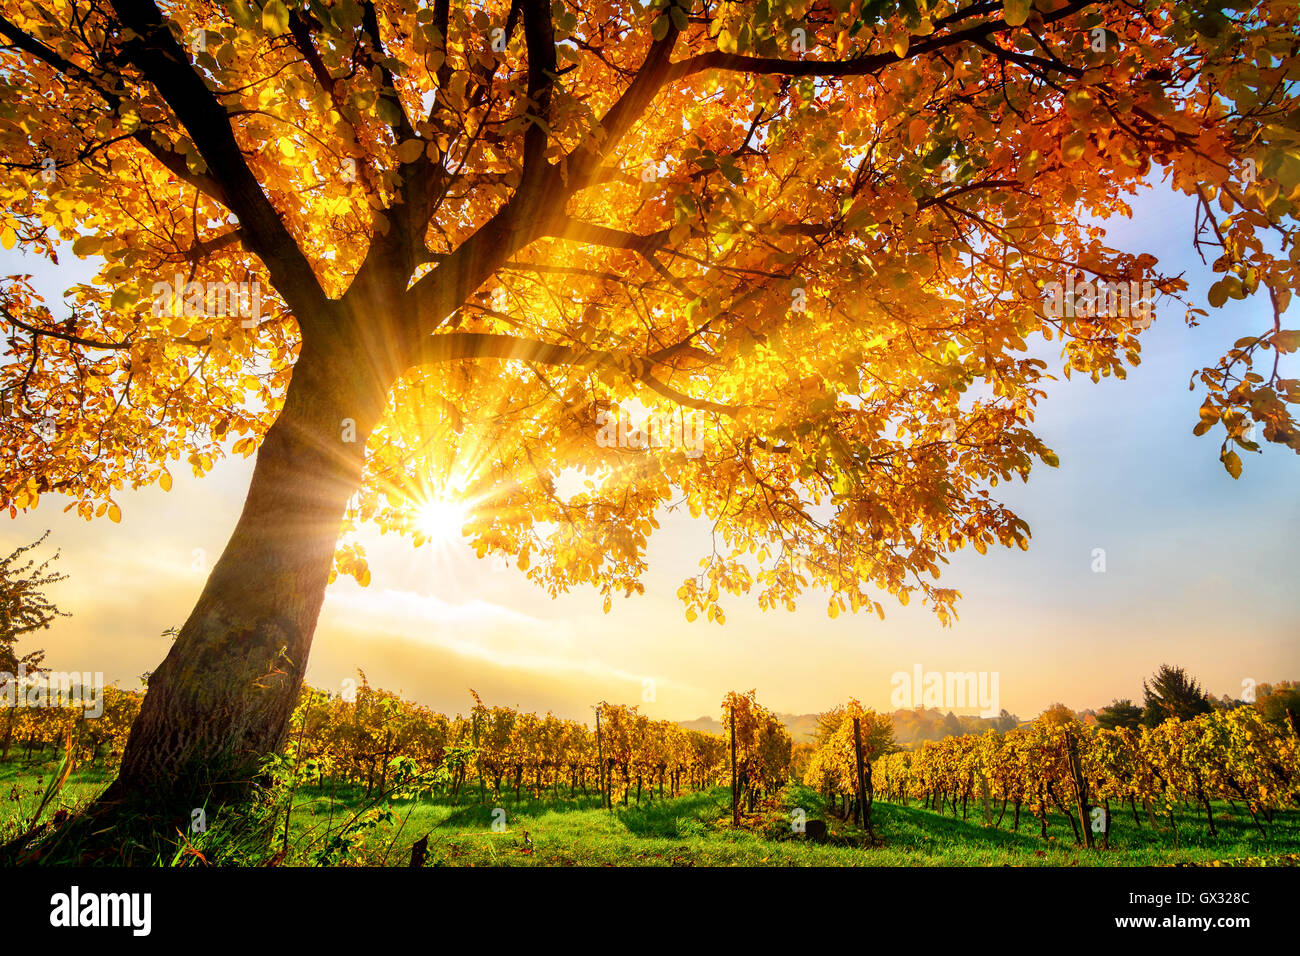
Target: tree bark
(222,698)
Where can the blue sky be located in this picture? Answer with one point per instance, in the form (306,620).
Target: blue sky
(1201,570)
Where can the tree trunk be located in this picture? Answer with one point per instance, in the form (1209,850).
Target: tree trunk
(1209,811)
(9,733)
(1056,800)
(222,698)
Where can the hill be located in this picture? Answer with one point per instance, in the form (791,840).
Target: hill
(910,726)
(801,726)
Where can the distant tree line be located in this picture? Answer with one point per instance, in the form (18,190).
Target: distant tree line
(1173,694)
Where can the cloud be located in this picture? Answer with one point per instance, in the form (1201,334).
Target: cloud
(477,630)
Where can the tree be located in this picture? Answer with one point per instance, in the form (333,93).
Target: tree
(1172,693)
(1280,703)
(842,734)
(1058,715)
(1120,713)
(24,608)
(813,239)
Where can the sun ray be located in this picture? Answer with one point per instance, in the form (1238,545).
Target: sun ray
(440,520)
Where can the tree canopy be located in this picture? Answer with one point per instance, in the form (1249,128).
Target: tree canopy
(822,231)
(1172,693)
(1120,713)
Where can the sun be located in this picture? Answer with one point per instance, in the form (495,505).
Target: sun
(440,521)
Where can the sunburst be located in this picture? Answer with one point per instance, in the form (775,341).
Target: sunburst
(441,520)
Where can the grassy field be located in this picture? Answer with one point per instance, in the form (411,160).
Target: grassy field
(694,830)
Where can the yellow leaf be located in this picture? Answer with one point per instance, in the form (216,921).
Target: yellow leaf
(8,238)
(165,479)
(1016,12)
(114,513)
(275,18)
(410,151)
(1232,463)
(916,131)
(1073,145)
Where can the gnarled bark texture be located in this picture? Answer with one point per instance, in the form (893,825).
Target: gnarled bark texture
(222,698)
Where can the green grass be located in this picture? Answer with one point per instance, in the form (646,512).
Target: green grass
(695,830)
(22,786)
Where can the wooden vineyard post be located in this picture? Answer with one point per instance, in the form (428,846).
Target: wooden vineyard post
(862,785)
(600,765)
(478,765)
(735,793)
(1080,789)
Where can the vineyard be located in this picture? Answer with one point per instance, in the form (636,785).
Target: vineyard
(1083,772)
(369,736)
(626,788)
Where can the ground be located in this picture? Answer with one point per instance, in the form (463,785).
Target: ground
(690,830)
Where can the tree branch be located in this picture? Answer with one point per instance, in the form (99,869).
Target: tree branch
(855,66)
(457,346)
(539,35)
(164,64)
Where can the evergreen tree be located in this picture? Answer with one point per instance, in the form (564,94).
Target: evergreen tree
(1120,713)
(1172,693)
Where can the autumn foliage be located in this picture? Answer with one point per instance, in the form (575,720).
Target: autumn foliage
(829,235)
(829,227)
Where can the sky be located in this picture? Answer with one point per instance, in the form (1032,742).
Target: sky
(1200,570)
